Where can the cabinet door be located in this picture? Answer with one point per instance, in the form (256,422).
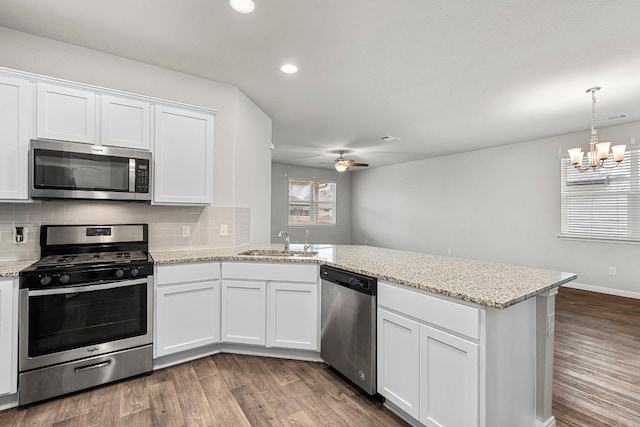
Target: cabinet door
(183,153)
(65,113)
(398,361)
(244,312)
(8,365)
(449,369)
(14,138)
(293,315)
(187,316)
(125,122)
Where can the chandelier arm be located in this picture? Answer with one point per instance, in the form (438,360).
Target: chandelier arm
(615,165)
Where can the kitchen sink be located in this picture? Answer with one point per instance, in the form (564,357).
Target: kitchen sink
(271,252)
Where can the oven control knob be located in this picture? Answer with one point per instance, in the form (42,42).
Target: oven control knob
(119,273)
(45,280)
(64,278)
(134,272)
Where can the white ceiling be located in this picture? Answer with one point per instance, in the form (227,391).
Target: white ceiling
(446,76)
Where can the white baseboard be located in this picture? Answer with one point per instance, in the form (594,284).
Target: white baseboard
(550,422)
(197,353)
(603,290)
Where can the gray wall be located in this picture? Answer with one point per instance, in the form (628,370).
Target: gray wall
(242,159)
(339,234)
(500,204)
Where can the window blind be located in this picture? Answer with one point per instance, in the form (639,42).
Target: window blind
(601,204)
(312,202)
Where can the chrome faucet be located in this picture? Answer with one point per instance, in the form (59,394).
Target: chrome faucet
(307,246)
(285,240)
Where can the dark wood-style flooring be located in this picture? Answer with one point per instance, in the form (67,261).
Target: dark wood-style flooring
(596,379)
(596,383)
(221,390)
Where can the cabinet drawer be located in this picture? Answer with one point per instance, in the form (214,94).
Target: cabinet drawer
(283,272)
(188,272)
(450,315)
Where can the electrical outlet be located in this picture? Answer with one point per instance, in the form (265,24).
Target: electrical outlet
(19,235)
(612,271)
(224,229)
(186,231)
(448,251)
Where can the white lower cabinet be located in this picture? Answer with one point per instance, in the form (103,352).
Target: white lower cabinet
(398,361)
(429,363)
(449,377)
(270,304)
(293,315)
(244,312)
(8,337)
(187,307)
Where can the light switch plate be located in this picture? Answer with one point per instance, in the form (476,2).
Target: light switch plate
(224,229)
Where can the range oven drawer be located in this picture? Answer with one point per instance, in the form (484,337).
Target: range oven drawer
(68,377)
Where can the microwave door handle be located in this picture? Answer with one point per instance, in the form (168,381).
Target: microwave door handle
(86,288)
(132,175)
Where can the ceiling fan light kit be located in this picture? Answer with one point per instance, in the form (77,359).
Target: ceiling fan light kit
(598,151)
(342,164)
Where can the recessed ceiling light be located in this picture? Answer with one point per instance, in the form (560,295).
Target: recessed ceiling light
(242,6)
(289,69)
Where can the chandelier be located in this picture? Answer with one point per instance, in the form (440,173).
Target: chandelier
(598,151)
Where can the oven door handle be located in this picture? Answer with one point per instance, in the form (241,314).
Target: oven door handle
(89,287)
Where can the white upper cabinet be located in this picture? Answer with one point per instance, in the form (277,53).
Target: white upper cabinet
(14,138)
(65,113)
(125,122)
(183,155)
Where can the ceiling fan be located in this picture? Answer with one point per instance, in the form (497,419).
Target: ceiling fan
(342,164)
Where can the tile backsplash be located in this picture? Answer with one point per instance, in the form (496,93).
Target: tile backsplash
(165,224)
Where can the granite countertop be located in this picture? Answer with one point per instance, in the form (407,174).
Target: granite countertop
(485,283)
(12,268)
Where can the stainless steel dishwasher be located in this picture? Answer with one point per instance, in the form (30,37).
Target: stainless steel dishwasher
(348,319)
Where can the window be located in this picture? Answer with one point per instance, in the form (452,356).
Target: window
(312,202)
(602,204)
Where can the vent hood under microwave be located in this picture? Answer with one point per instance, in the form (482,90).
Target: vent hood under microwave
(71,170)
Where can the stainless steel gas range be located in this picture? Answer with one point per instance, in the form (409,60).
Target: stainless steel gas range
(86,310)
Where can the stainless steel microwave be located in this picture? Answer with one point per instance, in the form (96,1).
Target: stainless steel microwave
(71,170)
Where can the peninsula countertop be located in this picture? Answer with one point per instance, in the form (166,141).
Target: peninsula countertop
(489,284)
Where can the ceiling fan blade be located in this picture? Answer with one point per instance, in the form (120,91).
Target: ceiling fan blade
(357,164)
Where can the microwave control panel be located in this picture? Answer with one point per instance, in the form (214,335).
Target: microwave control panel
(142,176)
